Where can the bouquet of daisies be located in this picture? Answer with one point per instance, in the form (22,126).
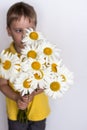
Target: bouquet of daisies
(39,66)
(42,66)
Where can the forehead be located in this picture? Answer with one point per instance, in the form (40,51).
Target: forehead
(23,22)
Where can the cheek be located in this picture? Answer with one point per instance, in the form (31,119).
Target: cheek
(17,38)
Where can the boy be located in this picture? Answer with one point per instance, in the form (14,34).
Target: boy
(19,17)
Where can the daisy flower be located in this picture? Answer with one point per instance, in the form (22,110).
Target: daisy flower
(55,87)
(22,84)
(31,36)
(55,66)
(49,52)
(38,80)
(31,51)
(32,65)
(9,65)
(41,79)
(66,75)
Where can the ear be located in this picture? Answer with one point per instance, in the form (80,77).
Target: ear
(8,31)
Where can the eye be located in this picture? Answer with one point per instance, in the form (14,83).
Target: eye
(18,30)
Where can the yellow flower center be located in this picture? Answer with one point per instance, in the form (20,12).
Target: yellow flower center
(37,76)
(26,83)
(54,69)
(33,35)
(32,54)
(55,86)
(36,65)
(63,77)
(7,64)
(47,51)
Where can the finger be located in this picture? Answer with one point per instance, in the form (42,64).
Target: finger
(22,106)
(25,98)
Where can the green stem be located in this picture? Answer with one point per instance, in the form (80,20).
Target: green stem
(22,116)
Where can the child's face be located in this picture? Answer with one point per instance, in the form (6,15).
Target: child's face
(16,31)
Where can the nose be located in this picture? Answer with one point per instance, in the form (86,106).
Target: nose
(23,33)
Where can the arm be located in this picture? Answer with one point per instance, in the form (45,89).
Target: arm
(22,102)
(7,90)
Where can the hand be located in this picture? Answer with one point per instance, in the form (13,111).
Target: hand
(38,91)
(28,98)
(23,102)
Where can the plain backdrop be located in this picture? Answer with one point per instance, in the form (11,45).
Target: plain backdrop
(63,22)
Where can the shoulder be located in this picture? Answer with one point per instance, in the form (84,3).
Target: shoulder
(11,48)
(7,50)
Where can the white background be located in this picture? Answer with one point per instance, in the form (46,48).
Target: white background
(63,22)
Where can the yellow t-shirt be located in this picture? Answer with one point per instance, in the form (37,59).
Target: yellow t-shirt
(38,109)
